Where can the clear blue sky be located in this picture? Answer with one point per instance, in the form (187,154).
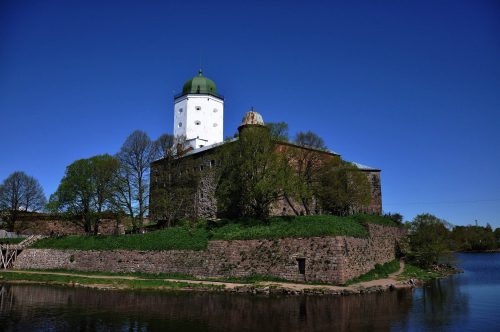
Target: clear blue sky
(411,87)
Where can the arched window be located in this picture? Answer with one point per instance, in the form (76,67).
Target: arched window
(197,122)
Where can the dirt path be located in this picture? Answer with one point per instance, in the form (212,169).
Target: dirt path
(391,280)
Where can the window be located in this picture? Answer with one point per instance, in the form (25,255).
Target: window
(215,110)
(197,122)
(302,265)
(180,124)
(180,110)
(215,124)
(198,108)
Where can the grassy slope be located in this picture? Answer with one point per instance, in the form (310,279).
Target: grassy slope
(12,240)
(167,239)
(184,238)
(415,272)
(379,272)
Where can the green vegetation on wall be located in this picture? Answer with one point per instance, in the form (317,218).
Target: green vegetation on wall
(196,238)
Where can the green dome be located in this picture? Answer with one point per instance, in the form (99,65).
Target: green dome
(200,85)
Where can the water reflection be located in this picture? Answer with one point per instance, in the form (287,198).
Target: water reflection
(465,302)
(33,308)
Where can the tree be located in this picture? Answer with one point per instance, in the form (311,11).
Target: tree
(135,157)
(343,189)
(104,170)
(20,192)
(497,236)
(307,162)
(86,189)
(310,139)
(251,175)
(75,193)
(428,239)
(279,130)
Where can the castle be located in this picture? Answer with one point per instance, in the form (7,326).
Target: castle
(198,122)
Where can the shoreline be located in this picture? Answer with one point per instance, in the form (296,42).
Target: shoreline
(116,282)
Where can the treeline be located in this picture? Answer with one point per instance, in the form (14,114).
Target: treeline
(430,238)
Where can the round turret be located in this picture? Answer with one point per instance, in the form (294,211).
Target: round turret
(252,119)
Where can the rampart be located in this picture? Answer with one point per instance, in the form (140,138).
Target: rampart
(317,259)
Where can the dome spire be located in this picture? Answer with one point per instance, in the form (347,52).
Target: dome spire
(200,72)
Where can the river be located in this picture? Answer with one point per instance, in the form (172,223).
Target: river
(465,302)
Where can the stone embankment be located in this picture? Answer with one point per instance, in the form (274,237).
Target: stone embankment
(333,260)
(261,288)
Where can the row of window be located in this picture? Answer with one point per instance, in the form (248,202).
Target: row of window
(197,122)
(198,108)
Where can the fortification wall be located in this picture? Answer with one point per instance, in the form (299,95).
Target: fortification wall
(327,259)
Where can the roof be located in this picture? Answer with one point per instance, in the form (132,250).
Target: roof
(200,85)
(364,167)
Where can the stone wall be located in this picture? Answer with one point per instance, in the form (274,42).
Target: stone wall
(65,227)
(327,259)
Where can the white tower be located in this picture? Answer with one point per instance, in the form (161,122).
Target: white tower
(198,113)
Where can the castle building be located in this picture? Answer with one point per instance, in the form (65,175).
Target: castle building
(198,124)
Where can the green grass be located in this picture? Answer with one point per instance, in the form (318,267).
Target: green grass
(117,283)
(179,238)
(196,238)
(379,272)
(282,227)
(15,240)
(415,272)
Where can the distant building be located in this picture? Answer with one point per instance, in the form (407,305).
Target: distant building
(198,123)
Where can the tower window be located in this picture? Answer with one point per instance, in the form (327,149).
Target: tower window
(180,124)
(215,110)
(197,122)
(180,110)
(198,108)
(215,124)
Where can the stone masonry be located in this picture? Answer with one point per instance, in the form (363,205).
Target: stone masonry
(326,259)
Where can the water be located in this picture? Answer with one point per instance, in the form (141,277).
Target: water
(465,302)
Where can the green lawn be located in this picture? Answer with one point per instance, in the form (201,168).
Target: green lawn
(15,240)
(186,238)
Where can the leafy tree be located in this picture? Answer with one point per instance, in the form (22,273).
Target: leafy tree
(343,189)
(497,236)
(75,193)
(86,190)
(310,139)
(396,217)
(307,163)
(135,157)
(20,192)
(251,175)
(279,130)
(428,239)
